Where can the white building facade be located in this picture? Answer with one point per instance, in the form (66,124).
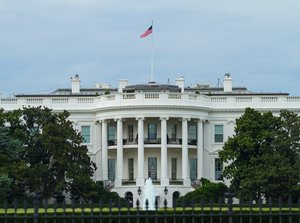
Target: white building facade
(170,133)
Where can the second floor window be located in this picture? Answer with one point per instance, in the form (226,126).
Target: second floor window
(173,131)
(130,133)
(86,134)
(111,133)
(152,131)
(218,133)
(192,132)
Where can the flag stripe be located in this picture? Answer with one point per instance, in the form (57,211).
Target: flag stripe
(147,33)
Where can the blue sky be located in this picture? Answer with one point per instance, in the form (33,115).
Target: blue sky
(43,43)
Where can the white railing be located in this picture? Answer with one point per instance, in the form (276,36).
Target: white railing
(268,99)
(218,99)
(159,98)
(36,101)
(9,101)
(152,96)
(60,100)
(85,100)
(243,99)
(128,96)
(293,99)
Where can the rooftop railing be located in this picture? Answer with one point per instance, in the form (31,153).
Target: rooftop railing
(161,98)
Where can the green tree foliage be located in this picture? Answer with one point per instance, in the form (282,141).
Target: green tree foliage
(10,163)
(263,155)
(208,191)
(53,152)
(5,186)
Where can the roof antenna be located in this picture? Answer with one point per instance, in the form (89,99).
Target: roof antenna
(218,82)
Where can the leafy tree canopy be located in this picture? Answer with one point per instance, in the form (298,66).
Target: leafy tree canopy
(55,158)
(263,155)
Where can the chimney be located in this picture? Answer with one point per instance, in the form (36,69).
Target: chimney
(180,83)
(227,83)
(122,84)
(75,83)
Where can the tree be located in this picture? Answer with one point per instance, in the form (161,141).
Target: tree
(54,154)
(263,155)
(10,164)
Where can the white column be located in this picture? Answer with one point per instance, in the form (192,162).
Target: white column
(98,146)
(119,172)
(200,152)
(185,163)
(164,153)
(140,171)
(104,151)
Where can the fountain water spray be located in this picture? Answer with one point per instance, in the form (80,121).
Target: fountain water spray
(149,195)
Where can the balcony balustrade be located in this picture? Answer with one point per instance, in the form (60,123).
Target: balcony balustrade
(171,141)
(162,98)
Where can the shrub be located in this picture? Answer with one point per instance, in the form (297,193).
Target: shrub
(207,191)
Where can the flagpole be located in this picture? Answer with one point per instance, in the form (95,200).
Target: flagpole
(152,53)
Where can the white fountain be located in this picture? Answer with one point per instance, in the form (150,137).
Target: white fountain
(149,195)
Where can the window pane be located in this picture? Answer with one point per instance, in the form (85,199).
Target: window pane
(111,169)
(111,133)
(193,168)
(130,133)
(152,168)
(218,169)
(173,131)
(152,131)
(218,129)
(86,134)
(130,169)
(174,168)
(218,133)
(192,132)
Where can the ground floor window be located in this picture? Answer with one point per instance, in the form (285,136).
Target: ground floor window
(152,168)
(193,168)
(218,169)
(174,168)
(130,169)
(111,169)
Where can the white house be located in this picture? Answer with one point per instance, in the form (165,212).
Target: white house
(170,133)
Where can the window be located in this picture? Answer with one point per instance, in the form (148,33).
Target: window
(111,137)
(193,168)
(86,134)
(152,131)
(152,168)
(218,169)
(111,133)
(174,168)
(111,169)
(130,133)
(218,133)
(192,131)
(173,131)
(130,169)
